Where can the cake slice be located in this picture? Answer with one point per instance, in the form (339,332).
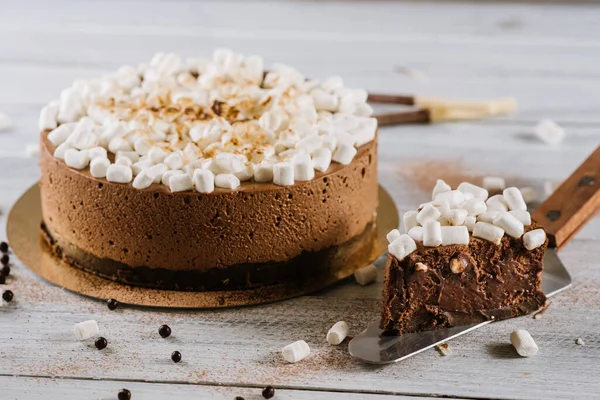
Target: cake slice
(463,259)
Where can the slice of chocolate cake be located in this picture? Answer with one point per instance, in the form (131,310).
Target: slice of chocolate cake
(464,259)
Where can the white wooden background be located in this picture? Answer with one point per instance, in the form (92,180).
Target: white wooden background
(548,56)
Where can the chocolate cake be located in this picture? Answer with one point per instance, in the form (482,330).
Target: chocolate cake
(208,175)
(449,270)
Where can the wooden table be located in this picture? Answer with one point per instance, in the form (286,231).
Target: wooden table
(548,56)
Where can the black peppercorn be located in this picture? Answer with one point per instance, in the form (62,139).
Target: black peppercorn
(268,392)
(8,296)
(124,394)
(164,331)
(112,304)
(5,270)
(176,356)
(101,343)
(5,259)
(2,279)
(4,247)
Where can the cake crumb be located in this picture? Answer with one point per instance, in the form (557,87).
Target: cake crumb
(580,342)
(421,267)
(444,349)
(542,311)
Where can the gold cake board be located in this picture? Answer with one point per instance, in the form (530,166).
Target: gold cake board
(23,229)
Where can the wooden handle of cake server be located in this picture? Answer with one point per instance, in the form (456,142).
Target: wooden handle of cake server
(573,204)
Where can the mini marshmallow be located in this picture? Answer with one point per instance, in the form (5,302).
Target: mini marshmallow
(166,178)
(283,174)
(310,143)
(139,166)
(454,235)
(477,192)
(61,134)
(97,152)
(329,142)
(264,172)
(393,235)
(86,329)
(156,172)
(409,219)
(157,155)
(142,146)
(523,343)
(77,159)
(494,184)
(529,194)
(440,187)
(48,116)
(337,333)
(454,198)
(402,246)
(549,132)
(344,154)
(124,161)
(475,207)
(296,351)
(70,108)
(142,180)
(432,234)
(119,174)
(365,275)
(534,239)
(325,101)
(321,159)
(99,166)
(227,181)
(228,163)
(131,155)
(60,151)
(470,222)
(489,216)
(82,136)
(488,232)
(416,233)
(497,202)
(428,213)
(204,181)
(457,217)
(180,183)
(511,225)
(174,161)
(118,144)
(514,199)
(522,215)
(303,169)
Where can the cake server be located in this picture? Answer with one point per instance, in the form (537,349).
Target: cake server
(573,204)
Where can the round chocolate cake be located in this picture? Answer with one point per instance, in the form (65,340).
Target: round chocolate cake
(209,174)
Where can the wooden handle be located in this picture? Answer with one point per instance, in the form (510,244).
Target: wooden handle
(406,117)
(573,204)
(391,99)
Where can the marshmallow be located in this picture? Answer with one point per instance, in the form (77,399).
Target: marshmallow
(488,232)
(99,166)
(60,151)
(549,132)
(86,329)
(283,174)
(511,225)
(118,144)
(402,246)
(142,180)
(114,130)
(475,207)
(296,351)
(344,154)
(77,159)
(454,198)
(48,116)
(166,178)
(333,84)
(310,143)
(139,166)
(227,181)
(142,146)
(97,152)
(321,159)
(470,222)
(329,142)
(478,193)
(514,199)
(204,181)
(119,174)
(534,239)
(131,155)
(124,161)
(325,101)
(494,184)
(174,161)
(365,275)
(497,202)
(432,234)
(454,235)
(228,163)
(157,155)
(457,217)
(264,172)
(337,333)
(440,187)
(180,183)
(529,194)
(61,134)
(522,216)
(428,213)
(523,343)
(70,108)
(156,172)
(416,233)
(409,219)
(392,235)
(489,216)
(303,169)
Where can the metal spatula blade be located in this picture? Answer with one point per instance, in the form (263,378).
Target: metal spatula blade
(373,347)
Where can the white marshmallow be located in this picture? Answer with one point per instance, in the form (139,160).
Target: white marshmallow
(70,106)
(227,181)
(124,161)
(142,146)
(131,155)
(114,130)
(337,333)
(454,198)
(534,239)
(60,151)
(477,192)
(402,246)
(77,159)
(180,183)
(118,144)
(119,174)
(475,207)
(497,202)
(514,199)
(523,343)
(157,155)
(488,232)
(97,152)
(392,235)
(549,132)
(454,235)
(156,172)
(321,159)
(142,180)
(204,181)
(332,84)
(264,172)
(228,163)
(283,174)
(139,166)
(174,161)
(344,154)
(440,187)
(428,213)
(49,116)
(99,166)
(416,233)
(529,194)
(494,184)
(296,351)
(366,275)
(409,219)
(522,216)
(310,143)
(432,234)
(61,134)
(330,142)
(86,329)
(166,178)
(303,169)
(325,101)
(470,222)
(489,216)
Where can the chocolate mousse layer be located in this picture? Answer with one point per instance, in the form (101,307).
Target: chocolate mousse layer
(491,282)
(142,235)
